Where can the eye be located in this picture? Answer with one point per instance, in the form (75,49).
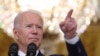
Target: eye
(39,26)
(29,26)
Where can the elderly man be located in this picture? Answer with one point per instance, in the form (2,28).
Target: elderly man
(28,28)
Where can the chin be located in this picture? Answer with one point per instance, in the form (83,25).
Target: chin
(35,43)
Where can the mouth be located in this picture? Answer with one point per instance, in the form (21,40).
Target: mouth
(33,39)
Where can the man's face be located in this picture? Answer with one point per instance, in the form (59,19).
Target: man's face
(30,30)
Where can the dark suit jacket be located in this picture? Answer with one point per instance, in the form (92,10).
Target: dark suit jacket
(77,49)
(74,50)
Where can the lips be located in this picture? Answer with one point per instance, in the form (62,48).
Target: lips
(33,39)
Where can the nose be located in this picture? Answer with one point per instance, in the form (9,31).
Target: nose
(34,30)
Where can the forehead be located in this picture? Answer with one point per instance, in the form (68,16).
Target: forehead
(26,17)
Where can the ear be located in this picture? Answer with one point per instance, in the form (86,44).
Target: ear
(15,32)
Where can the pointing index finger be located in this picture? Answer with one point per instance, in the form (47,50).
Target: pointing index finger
(69,14)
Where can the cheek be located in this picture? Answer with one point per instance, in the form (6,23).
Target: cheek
(40,33)
(41,36)
(40,40)
(25,36)
(22,36)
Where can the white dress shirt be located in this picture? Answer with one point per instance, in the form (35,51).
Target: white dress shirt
(73,40)
(70,41)
(20,53)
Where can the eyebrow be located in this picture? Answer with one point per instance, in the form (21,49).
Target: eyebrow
(32,24)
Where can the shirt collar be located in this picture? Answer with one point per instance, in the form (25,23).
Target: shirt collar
(20,53)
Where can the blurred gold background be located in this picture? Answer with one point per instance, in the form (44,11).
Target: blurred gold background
(86,14)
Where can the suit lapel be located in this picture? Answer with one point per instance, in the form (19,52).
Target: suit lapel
(40,54)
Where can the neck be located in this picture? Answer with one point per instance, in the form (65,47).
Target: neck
(22,48)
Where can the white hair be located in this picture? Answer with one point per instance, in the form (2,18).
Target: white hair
(17,19)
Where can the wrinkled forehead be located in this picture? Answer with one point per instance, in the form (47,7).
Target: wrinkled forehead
(30,16)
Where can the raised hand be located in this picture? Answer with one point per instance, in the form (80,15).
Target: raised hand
(69,26)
